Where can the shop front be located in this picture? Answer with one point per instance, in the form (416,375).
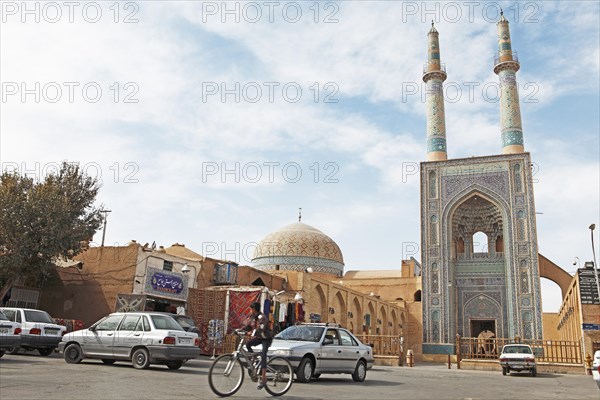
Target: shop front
(165,291)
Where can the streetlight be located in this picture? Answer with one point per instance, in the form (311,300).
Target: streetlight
(592,227)
(186,270)
(105,212)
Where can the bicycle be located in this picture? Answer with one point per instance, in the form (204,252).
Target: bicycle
(226,374)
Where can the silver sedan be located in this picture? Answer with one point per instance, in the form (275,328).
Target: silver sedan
(314,349)
(143,338)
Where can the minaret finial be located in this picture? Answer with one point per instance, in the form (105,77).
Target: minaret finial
(432,23)
(300,214)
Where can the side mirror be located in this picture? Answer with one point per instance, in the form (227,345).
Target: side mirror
(327,341)
(92,328)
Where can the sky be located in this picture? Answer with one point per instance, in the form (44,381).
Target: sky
(211,123)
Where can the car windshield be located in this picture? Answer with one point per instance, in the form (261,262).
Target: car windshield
(38,316)
(165,322)
(303,333)
(517,349)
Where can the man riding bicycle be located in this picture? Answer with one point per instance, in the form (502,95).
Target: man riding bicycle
(260,331)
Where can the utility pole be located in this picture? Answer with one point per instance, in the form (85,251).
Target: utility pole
(105,212)
(592,227)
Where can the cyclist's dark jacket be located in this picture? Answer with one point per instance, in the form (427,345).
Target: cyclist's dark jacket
(259,325)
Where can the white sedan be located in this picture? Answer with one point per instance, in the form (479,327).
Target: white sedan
(313,349)
(143,338)
(518,357)
(596,368)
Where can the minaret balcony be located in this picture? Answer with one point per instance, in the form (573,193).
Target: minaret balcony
(504,56)
(426,68)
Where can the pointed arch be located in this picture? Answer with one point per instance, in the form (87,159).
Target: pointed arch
(357,314)
(384,321)
(339,308)
(394,318)
(320,303)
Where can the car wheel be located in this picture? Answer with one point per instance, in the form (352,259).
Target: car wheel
(1,353)
(140,359)
(534,372)
(13,350)
(108,361)
(360,372)
(305,370)
(504,370)
(73,354)
(45,352)
(174,364)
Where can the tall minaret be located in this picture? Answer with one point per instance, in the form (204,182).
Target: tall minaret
(434,74)
(506,65)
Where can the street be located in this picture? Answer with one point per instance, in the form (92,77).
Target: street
(32,376)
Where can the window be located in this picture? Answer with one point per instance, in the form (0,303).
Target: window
(11,315)
(146,325)
(480,242)
(165,322)
(347,339)
(168,265)
(109,323)
(129,323)
(38,316)
(332,334)
(418,295)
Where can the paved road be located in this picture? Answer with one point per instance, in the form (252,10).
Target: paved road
(35,377)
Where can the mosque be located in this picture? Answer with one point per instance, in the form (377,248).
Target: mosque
(454,291)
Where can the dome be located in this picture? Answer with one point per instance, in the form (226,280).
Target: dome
(296,247)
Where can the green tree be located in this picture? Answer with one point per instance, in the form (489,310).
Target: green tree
(42,221)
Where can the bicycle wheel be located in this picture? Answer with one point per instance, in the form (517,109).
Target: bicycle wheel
(226,375)
(279,376)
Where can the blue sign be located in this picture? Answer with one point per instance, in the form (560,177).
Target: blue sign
(166,283)
(591,327)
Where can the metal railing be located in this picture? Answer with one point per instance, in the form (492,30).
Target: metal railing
(550,351)
(426,67)
(515,56)
(383,345)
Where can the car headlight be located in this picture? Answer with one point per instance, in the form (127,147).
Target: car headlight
(283,352)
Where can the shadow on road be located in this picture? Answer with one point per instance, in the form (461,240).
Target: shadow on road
(345,381)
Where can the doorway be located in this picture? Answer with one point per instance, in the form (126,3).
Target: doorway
(480,325)
(484,330)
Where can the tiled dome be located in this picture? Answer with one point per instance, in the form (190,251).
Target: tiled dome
(297,247)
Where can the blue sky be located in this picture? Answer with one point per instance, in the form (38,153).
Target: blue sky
(163,147)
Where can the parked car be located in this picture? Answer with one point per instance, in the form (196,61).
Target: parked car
(518,357)
(143,338)
(314,349)
(38,330)
(10,337)
(596,368)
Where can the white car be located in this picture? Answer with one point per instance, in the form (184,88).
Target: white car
(10,337)
(143,338)
(518,357)
(38,330)
(596,368)
(315,349)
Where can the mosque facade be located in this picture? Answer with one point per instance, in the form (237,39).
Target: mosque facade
(493,285)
